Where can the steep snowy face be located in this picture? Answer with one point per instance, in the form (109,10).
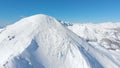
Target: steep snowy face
(40,41)
(106,34)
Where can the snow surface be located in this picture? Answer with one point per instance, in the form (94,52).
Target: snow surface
(41,41)
(106,34)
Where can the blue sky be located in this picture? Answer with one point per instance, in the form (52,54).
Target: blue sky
(67,10)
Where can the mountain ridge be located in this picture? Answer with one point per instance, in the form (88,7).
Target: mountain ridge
(41,41)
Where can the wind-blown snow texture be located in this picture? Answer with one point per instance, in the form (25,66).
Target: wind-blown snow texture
(41,41)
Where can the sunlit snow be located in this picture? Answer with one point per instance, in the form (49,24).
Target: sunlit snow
(41,41)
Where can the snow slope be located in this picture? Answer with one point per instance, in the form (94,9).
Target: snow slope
(106,34)
(40,41)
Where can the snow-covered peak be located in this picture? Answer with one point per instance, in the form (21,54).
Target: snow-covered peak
(36,19)
(33,24)
(41,41)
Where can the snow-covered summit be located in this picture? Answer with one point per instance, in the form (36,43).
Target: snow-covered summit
(41,41)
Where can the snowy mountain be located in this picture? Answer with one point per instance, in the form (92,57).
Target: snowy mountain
(41,41)
(106,34)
